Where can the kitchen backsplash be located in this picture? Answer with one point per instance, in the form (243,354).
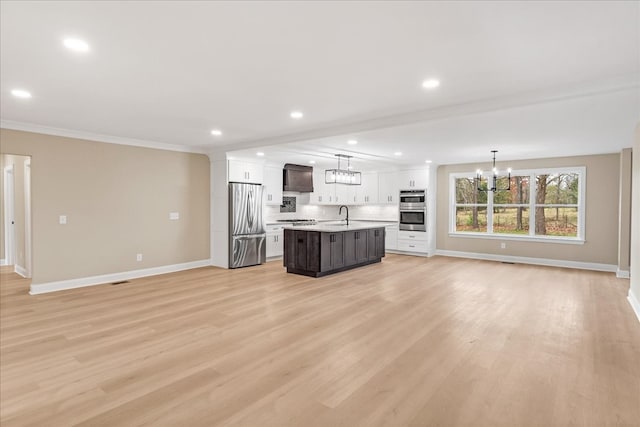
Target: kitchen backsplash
(288,205)
(381,212)
(373,212)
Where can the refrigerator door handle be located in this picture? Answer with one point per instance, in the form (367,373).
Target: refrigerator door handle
(249,209)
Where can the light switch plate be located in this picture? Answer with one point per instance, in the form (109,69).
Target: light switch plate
(63,219)
(174,215)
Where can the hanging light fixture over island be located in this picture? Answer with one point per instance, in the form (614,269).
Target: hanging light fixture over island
(343,176)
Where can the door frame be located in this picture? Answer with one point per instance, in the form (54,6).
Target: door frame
(9,215)
(27,217)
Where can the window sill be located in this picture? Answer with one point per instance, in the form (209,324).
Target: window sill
(546,239)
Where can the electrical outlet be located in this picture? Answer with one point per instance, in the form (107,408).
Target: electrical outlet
(174,215)
(63,219)
(503,245)
(139,257)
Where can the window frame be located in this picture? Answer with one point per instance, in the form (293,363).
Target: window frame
(581,171)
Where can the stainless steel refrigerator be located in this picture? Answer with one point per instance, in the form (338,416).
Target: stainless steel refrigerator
(247,236)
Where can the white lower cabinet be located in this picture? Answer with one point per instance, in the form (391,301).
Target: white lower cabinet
(275,241)
(412,241)
(412,246)
(391,237)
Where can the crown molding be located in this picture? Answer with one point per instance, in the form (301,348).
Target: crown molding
(109,139)
(620,83)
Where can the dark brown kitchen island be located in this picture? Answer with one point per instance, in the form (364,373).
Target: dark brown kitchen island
(319,250)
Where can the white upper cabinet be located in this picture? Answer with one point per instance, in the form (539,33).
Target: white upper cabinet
(413,179)
(367,193)
(318,196)
(355,194)
(273,185)
(388,191)
(242,171)
(340,194)
(327,194)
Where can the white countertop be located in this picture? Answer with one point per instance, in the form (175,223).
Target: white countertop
(338,226)
(381,222)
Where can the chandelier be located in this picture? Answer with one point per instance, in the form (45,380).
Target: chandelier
(342,176)
(494,178)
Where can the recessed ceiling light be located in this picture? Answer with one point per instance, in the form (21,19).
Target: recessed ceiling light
(296,114)
(313,162)
(216,132)
(352,142)
(430,83)
(398,153)
(260,153)
(21,93)
(76,45)
(428,161)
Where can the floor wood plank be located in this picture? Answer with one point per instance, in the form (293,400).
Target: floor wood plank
(409,341)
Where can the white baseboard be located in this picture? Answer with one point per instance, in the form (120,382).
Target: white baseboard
(396,251)
(527,260)
(81,282)
(635,304)
(3,261)
(622,274)
(20,270)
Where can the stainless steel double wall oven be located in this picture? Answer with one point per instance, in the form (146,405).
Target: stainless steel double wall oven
(413,210)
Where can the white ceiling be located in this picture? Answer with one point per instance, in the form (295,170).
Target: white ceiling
(169,72)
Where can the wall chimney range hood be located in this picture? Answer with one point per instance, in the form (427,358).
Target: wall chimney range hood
(297,178)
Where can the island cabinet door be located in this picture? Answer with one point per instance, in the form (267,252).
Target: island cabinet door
(355,247)
(331,251)
(361,246)
(289,259)
(375,241)
(302,250)
(307,247)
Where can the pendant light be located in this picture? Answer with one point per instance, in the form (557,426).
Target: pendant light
(494,178)
(342,176)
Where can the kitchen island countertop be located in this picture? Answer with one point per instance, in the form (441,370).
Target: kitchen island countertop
(342,226)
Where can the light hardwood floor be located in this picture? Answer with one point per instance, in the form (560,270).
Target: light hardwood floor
(410,341)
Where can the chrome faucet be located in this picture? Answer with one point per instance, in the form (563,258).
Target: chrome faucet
(340,212)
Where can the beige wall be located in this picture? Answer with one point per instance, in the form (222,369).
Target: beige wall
(117,200)
(601,229)
(635,224)
(18,163)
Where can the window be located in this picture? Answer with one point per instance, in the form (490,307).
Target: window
(511,208)
(540,204)
(471,206)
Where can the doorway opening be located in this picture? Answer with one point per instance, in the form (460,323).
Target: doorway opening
(16,242)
